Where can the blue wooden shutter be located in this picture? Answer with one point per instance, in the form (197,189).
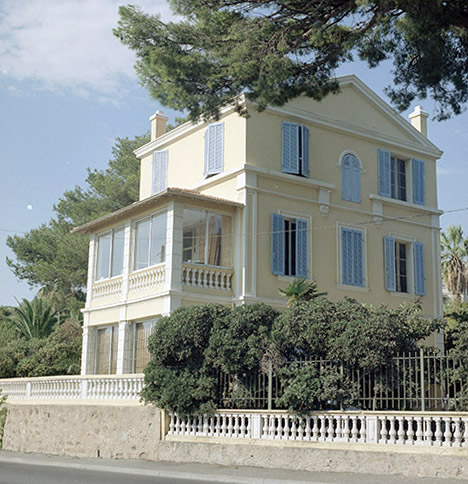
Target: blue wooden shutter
(419,269)
(159,182)
(345,256)
(352,257)
(418,181)
(385,188)
(290,148)
(346,179)
(302,248)
(214,149)
(358,258)
(389,253)
(277,244)
(305,150)
(355,180)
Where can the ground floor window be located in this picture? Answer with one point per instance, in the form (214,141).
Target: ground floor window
(106,349)
(140,356)
(401,267)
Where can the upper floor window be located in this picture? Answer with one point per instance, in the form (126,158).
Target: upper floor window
(289,246)
(150,241)
(214,149)
(159,181)
(350,178)
(352,257)
(207,238)
(110,254)
(395,177)
(295,149)
(404,266)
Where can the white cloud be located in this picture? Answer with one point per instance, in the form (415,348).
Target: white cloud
(68,45)
(29,207)
(443,171)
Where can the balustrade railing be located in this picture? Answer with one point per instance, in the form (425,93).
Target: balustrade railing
(108,288)
(154,277)
(207,277)
(74,388)
(386,429)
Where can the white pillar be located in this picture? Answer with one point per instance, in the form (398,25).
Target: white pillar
(91,268)
(86,350)
(126,260)
(174,239)
(121,347)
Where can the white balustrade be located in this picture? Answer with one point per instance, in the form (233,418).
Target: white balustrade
(207,277)
(74,388)
(108,288)
(381,429)
(150,278)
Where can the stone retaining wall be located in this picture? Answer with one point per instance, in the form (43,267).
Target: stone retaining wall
(134,432)
(125,431)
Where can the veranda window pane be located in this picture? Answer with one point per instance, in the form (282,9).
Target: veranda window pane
(194,237)
(102,269)
(117,252)
(158,239)
(142,244)
(142,356)
(219,240)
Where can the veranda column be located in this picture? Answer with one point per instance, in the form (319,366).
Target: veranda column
(174,238)
(122,348)
(88,351)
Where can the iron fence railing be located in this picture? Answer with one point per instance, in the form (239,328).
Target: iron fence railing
(412,381)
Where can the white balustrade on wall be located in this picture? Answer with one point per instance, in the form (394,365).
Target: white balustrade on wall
(387,429)
(74,388)
(149,278)
(207,277)
(107,288)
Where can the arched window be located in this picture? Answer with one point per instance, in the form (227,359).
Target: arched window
(350,178)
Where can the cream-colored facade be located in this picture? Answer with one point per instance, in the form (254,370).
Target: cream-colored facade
(228,220)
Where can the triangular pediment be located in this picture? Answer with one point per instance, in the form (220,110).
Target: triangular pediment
(357,106)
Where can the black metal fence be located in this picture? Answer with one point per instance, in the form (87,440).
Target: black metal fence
(414,381)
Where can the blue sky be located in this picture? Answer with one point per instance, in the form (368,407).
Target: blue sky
(68,89)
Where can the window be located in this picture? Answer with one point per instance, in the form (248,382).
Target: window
(289,246)
(352,257)
(206,238)
(350,178)
(150,241)
(214,149)
(159,182)
(394,177)
(295,149)
(141,331)
(404,263)
(106,350)
(401,267)
(398,178)
(110,254)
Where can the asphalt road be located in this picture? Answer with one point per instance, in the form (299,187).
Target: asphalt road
(30,474)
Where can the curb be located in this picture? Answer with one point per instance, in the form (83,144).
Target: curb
(189,476)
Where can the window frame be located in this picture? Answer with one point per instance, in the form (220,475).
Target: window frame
(339,258)
(133,326)
(111,252)
(134,241)
(361,171)
(288,215)
(114,343)
(205,250)
(410,269)
(302,163)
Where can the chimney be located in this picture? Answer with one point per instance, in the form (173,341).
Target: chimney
(158,124)
(419,119)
